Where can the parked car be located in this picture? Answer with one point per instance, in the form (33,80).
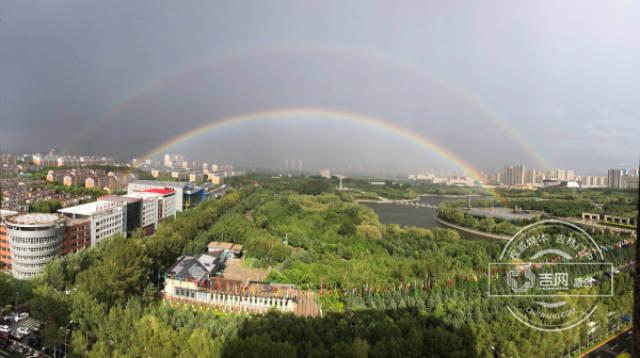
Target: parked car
(20,316)
(38,327)
(24,330)
(4,329)
(10,317)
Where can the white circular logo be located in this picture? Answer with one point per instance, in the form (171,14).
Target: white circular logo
(551,275)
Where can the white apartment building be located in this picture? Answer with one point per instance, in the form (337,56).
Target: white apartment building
(166,202)
(107,218)
(149,208)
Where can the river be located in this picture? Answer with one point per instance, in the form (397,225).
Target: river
(406,215)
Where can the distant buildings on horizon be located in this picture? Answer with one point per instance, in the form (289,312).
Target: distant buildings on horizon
(175,166)
(517,176)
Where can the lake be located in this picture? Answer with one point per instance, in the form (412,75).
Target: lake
(405,215)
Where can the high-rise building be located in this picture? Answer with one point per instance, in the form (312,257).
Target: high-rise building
(570,175)
(170,159)
(530,176)
(513,175)
(614,179)
(299,165)
(630,182)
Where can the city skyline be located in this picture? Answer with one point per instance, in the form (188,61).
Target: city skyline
(273,166)
(477,97)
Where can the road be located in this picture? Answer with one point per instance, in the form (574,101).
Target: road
(614,347)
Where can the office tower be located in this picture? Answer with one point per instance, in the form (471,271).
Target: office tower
(514,175)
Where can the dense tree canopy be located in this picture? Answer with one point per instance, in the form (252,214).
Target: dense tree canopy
(46,206)
(385,290)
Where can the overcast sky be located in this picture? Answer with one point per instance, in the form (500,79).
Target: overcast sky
(536,82)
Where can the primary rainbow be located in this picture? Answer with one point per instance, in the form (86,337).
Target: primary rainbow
(167,78)
(323,113)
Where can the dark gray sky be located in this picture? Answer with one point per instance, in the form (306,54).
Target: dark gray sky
(122,78)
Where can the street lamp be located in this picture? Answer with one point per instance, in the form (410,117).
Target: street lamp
(495,352)
(66,329)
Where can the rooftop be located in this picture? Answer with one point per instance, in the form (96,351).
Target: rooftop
(195,267)
(35,219)
(159,191)
(7,213)
(159,184)
(141,195)
(219,245)
(120,198)
(89,209)
(83,209)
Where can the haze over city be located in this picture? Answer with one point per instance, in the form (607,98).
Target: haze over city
(532,83)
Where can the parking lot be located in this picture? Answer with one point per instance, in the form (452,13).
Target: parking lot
(19,336)
(20,329)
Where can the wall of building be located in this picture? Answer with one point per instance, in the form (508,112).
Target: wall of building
(106,224)
(150,212)
(189,293)
(33,246)
(77,236)
(168,204)
(141,186)
(5,251)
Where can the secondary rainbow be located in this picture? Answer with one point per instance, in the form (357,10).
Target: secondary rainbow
(328,114)
(256,51)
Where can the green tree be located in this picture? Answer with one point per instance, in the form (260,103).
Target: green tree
(46,206)
(153,338)
(200,344)
(314,186)
(6,290)
(487,224)
(118,274)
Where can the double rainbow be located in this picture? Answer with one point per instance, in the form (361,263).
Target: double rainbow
(167,79)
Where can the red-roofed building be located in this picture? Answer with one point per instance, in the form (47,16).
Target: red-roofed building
(160,191)
(166,201)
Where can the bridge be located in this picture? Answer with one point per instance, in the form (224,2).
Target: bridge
(413,203)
